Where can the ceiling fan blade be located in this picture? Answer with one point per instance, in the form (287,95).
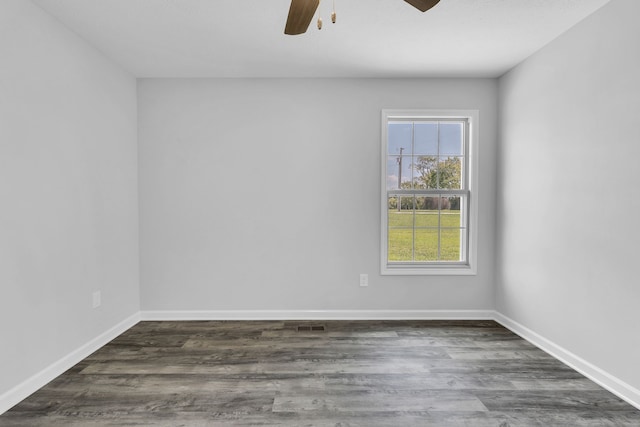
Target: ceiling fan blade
(300,15)
(422,5)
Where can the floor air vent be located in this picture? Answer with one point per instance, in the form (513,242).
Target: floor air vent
(310,328)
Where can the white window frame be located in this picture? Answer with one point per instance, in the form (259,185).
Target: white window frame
(471,155)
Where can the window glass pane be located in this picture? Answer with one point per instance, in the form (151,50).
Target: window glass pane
(450,212)
(427,221)
(406,209)
(392,173)
(451,138)
(425,170)
(450,173)
(400,244)
(426,212)
(426,244)
(428,205)
(426,138)
(392,203)
(400,229)
(450,244)
(399,168)
(400,136)
(402,217)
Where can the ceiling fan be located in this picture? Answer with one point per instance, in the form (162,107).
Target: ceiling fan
(301,13)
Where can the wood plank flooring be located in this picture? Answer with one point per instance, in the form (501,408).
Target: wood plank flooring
(356,373)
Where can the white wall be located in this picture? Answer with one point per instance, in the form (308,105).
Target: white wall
(568,191)
(68,192)
(264,194)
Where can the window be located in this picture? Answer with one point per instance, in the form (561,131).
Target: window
(429,188)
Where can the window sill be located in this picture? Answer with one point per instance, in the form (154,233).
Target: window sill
(432,270)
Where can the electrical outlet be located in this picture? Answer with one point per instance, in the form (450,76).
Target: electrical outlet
(96,299)
(364,280)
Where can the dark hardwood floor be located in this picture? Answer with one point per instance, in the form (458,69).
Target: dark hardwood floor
(356,373)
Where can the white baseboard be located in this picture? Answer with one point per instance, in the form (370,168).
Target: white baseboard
(39,380)
(319,315)
(616,386)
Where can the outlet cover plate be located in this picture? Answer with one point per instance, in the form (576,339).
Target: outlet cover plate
(364,280)
(97,299)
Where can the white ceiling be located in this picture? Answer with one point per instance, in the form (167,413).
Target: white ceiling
(372,38)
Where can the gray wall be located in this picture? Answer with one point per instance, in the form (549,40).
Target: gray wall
(68,192)
(264,194)
(568,191)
